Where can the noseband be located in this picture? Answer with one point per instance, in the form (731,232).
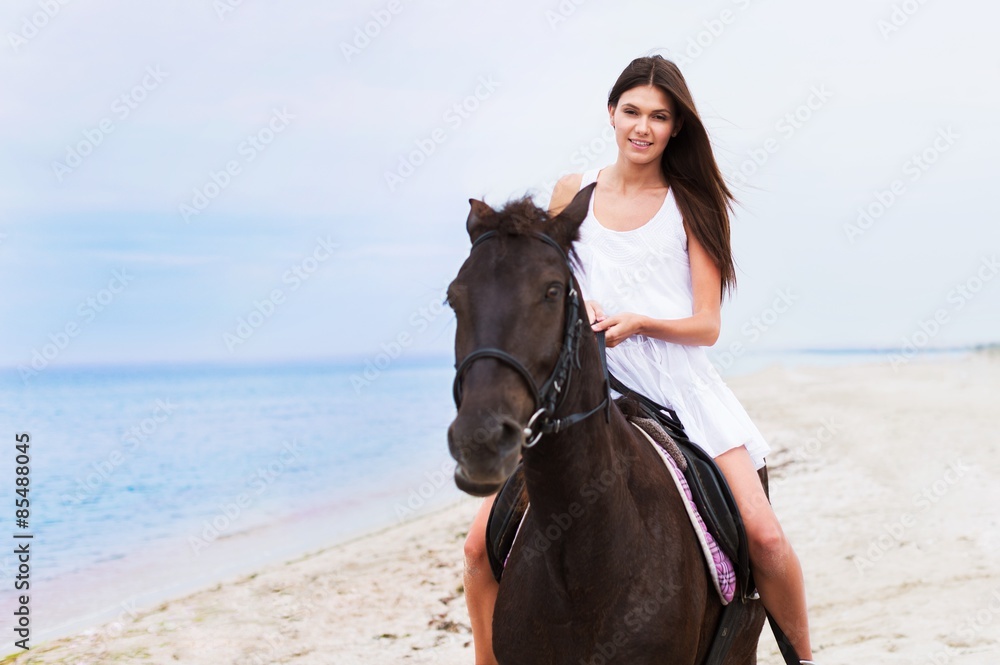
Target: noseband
(549,397)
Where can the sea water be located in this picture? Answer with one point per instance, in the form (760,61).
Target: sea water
(159,478)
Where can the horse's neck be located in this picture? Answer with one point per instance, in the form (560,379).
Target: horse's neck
(587,461)
(582,472)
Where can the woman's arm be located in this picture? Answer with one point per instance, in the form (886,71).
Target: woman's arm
(564,191)
(699,329)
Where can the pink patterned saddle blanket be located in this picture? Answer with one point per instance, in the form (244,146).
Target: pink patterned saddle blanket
(720,567)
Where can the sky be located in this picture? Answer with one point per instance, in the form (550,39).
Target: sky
(244,181)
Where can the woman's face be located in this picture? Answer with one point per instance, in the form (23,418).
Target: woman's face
(643,121)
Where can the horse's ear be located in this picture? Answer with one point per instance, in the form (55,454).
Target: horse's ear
(567,223)
(479,214)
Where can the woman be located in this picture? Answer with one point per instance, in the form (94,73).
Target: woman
(655,269)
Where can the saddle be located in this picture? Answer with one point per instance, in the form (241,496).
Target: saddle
(711,492)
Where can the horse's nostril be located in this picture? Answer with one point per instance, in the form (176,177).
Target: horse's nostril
(512,430)
(482,445)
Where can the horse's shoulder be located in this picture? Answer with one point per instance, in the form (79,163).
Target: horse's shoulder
(564,191)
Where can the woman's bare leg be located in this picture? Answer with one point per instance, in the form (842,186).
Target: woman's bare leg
(776,568)
(480,586)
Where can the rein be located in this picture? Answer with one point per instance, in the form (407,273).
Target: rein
(550,396)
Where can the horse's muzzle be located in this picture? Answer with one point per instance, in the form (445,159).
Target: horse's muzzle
(475,488)
(486,454)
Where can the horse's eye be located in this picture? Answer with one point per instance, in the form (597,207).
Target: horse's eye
(554,291)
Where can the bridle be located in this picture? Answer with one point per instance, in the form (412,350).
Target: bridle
(549,397)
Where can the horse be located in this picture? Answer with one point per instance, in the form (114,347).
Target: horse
(606,567)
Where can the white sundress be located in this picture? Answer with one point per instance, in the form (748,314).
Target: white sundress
(647,271)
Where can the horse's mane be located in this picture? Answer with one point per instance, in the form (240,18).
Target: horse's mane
(630,407)
(519,217)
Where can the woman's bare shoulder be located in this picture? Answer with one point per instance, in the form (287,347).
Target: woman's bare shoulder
(564,191)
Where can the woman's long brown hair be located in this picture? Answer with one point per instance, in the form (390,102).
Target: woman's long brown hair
(688,163)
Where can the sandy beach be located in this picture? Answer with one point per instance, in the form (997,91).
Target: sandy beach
(885,479)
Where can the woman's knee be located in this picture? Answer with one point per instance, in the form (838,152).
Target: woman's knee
(476,558)
(475,546)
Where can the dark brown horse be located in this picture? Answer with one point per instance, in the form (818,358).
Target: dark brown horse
(606,568)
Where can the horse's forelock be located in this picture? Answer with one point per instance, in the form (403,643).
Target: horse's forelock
(521,217)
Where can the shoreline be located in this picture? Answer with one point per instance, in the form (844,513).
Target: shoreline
(168,569)
(854,448)
(198,604)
